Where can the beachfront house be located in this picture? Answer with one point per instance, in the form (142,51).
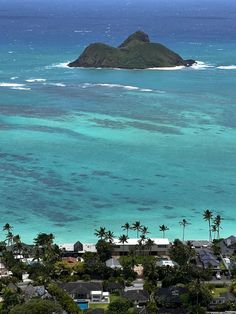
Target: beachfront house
(91,292)
(160,247)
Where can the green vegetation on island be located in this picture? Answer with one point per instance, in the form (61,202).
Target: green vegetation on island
(136,52)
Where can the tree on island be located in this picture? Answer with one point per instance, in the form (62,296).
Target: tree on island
(100,233)
(207,216)
(163,229)
(184,223)
(137,227)
(123,239)
(126,227)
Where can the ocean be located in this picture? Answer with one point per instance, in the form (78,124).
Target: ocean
(84,148)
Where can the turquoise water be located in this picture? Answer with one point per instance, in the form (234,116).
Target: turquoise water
(84,148)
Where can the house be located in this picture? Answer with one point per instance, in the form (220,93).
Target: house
(223,298)
(4,272)
(114,287)
(170,297)
(160,247)
(199,244)
(91,291)
(29,291)
(208,260)
(113,263)
(138,297)
(228,246)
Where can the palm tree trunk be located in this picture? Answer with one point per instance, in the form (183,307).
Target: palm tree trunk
(209,222)
(183,232)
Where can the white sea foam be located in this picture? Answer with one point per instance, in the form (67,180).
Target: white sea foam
(199,65)
(176,68)
(35,80)
(3,84)
(227,67)
(14,77)
(63,65)
(126,87)
(57,84)
(21,88)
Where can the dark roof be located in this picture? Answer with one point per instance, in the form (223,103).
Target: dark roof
(171,295)
(82,287)
(230,241)
(114,285)
(208,259)
(136,295)
(113,263)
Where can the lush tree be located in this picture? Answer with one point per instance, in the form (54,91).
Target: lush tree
(119,306)
(123,239)
(66,302)
(126,227)
(183,224)
(10,299)
(198,293)
(137,227)
(100,233)
(207,216)
(37,306)
(163,229)
(181,253)
(8,228)
(104,250)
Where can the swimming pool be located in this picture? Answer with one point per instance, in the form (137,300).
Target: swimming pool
(83,305)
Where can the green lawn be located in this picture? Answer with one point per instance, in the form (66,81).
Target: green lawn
(113,297)
(217,291)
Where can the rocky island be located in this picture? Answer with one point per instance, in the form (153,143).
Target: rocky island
(136,52)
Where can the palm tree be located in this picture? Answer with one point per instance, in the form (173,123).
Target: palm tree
(149,243)
(7,227)
(217,222)
(110,236)
(184,223)
(126,228)
(214,230)
(9,238)
(137,227)
(207,215)
(123,239)
(17,245)
(101,233)
(141,242)
(163,229)
(144,230)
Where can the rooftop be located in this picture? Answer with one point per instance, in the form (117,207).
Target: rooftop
(134,241)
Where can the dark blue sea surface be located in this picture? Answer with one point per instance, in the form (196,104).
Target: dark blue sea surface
(84,148)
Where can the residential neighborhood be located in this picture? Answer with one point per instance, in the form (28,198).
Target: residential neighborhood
(118,275)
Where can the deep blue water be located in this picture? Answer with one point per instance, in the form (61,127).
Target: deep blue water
(84,148)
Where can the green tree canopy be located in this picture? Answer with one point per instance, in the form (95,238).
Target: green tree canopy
(37,306)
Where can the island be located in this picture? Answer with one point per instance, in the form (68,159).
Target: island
(136,52)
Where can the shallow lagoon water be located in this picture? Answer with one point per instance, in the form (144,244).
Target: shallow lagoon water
(84,148)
